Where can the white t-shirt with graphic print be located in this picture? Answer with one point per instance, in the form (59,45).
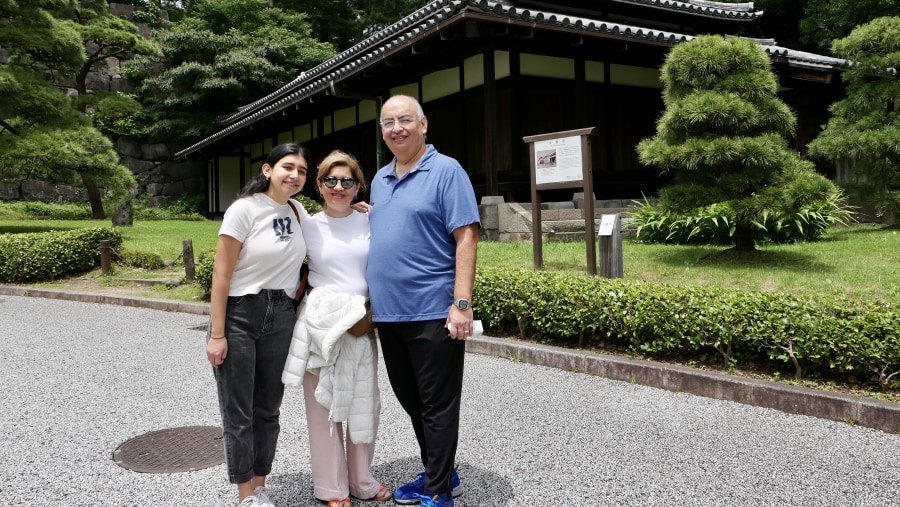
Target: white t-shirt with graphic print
(272,244)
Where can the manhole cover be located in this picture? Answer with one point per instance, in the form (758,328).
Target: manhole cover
(173,450)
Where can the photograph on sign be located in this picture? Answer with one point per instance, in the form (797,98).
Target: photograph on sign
(558,160)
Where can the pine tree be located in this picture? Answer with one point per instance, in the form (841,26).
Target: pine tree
(865,126)
(723,137)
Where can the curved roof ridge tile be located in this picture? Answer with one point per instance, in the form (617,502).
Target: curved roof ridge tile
(740,10)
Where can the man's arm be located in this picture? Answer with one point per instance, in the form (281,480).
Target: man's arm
(459,322)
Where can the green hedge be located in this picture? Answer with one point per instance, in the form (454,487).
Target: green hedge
(39,256)
(831,335)
(801,332)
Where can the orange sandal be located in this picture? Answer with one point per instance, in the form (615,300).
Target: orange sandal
(340,503)
(383,494)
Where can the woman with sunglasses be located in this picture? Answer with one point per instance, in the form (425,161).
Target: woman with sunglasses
(337,240)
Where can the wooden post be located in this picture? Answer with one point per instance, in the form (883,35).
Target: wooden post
(610,246)
(105,257)
(187,253)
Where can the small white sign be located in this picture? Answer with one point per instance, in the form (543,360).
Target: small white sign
(607,225)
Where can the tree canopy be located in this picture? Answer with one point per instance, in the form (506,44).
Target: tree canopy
(344,23)
(723,136)
(222,55)
(44,135)
(865,126)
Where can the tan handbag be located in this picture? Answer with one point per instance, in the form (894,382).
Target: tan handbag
(364,325)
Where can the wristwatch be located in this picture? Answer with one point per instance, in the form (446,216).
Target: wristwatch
(462,304)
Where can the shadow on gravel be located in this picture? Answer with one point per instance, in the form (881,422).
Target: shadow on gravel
(482,487)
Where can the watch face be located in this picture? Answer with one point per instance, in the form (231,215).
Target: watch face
(462,304)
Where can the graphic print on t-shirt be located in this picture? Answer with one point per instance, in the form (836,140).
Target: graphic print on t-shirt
(282,228)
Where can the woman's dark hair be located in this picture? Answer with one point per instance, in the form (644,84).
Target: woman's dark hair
(260,183)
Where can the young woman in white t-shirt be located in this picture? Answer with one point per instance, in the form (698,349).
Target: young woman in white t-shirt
(255,276)
(337,240)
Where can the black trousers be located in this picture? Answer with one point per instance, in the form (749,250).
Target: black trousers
(425,367)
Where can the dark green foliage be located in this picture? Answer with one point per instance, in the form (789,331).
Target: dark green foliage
(722,135)
(203,272)
(222,55)
(138,259)
(864,130)
(714,224)
(186,207)
(51,211)
(309,204)
(119,114)
(33,257)
(799,332)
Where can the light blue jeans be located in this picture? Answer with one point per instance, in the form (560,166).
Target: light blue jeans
(258,328)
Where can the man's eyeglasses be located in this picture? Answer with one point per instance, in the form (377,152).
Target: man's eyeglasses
(332,181)
(403,121)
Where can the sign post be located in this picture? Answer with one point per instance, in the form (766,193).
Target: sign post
(610,246)
(562,160)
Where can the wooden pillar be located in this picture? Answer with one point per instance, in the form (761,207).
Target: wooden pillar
(490,124)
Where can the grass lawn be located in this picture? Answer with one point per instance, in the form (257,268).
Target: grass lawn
(862,261)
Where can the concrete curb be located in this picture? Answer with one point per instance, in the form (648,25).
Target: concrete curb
(869,412)
(85,297)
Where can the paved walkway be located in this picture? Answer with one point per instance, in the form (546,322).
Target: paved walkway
(80,378)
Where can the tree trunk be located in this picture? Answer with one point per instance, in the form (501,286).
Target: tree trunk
(95,198)
(743,237)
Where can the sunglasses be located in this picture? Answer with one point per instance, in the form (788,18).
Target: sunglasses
(332,181)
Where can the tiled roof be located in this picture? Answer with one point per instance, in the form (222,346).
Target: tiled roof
(744,10)
(427,20)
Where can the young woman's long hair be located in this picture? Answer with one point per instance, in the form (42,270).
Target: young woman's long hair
(260,183)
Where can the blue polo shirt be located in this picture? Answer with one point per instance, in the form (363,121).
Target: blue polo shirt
(412,251)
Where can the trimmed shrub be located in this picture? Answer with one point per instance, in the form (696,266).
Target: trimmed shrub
(39,256)
(203,271)
(139,259)
(800,332)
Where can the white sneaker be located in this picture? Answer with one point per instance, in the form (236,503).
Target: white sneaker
(262,496)
(249,501)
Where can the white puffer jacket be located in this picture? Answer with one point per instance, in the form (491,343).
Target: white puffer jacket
(343,362)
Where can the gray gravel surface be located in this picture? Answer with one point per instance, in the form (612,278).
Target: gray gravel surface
(79,379)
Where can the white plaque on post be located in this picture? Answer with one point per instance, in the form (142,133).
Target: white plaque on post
(607,225)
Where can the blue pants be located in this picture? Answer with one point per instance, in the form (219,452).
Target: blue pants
(258,328)
(425,367)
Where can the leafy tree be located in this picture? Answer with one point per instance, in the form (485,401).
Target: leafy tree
(828,20)
(344,23)
(812,25)
(865,126)
(44,136)
(224,54)
(722,135)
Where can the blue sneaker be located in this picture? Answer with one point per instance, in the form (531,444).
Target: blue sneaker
(411,493)
(445,500)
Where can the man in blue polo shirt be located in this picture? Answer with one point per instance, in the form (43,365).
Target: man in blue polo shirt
(424,235)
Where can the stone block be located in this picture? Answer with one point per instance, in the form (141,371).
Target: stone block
(129,147)
(122,216)
(155,152)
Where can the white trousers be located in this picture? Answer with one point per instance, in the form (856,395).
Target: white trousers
(338,472)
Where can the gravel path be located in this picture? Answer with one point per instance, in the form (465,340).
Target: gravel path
(79,379)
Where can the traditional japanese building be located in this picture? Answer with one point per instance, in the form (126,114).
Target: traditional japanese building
(490,72)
